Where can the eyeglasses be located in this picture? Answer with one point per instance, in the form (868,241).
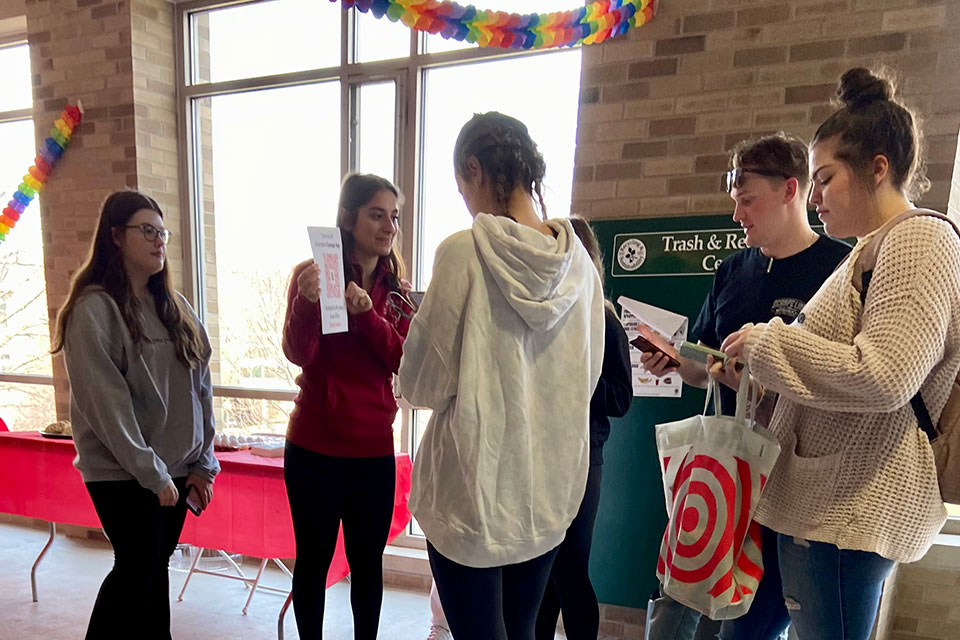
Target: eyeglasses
(733,179)
(151,233)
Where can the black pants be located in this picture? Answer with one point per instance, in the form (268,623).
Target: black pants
(496,603)
(323,491)
(569,588)
(134,599)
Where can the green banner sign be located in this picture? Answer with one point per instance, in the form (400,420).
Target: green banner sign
(674,253)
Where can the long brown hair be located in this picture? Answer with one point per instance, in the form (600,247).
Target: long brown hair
(104,268)
(357,190)
(872,122)
(588,238)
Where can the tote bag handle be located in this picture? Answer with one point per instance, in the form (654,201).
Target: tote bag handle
(746,401)
(746,398)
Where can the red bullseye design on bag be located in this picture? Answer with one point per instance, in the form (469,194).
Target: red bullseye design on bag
(714,470)
(711,540)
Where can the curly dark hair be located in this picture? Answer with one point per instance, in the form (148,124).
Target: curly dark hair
(506,153)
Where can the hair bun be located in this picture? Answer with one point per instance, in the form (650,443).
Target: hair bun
(860,87)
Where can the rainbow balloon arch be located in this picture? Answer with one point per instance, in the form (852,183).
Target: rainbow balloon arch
(591,24)
(47,157)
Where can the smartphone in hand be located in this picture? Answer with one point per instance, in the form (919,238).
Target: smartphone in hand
(650,342)
(193,502)
(416,297)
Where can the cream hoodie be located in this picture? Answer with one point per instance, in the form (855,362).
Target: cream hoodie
(506,349)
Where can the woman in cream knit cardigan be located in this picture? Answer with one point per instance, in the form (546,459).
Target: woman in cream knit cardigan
(855,489)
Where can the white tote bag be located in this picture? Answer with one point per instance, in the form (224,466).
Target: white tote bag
(714,468)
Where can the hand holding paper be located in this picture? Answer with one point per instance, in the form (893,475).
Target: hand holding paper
(668,324)
(327,246)
(309,283)
(655,360)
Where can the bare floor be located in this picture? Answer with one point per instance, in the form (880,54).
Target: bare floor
(71,572)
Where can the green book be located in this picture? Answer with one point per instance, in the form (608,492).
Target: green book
(700,352)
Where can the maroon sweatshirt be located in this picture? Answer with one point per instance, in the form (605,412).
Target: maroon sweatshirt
(346,406)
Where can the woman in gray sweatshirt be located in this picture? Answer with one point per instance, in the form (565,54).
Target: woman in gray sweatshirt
(141,405)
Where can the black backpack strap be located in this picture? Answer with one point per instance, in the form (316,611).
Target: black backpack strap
(865,278)
(919,408)
(923,416)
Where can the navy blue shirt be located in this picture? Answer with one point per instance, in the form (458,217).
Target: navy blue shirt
(751,287)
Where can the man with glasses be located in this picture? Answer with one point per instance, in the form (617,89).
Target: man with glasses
(784,265)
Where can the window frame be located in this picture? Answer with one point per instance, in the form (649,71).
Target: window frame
(6,117)
(408,74)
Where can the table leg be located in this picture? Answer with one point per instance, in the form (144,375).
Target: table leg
(36,563)
(253,587)
(226,556)
(283,568)
(193,568)
(283,612)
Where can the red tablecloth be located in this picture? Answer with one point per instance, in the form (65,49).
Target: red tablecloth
(249,513)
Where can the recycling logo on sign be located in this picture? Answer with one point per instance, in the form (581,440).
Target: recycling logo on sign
(631,254)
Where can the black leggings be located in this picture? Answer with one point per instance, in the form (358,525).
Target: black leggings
(323,491)
(495,603)
(570,588)
(134,599)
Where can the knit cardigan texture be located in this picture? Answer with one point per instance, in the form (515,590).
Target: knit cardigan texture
(855,471)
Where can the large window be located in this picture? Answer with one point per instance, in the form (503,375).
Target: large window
(523,87)
(264,189)
(26,391)
(282,98)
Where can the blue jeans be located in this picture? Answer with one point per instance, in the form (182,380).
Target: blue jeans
(824,591)
(667,619)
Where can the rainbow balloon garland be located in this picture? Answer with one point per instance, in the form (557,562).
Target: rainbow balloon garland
(47,156)
(590,24)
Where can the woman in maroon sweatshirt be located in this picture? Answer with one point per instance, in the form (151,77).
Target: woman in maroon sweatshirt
(339,463)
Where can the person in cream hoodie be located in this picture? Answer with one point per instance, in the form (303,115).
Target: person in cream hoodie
(506,349)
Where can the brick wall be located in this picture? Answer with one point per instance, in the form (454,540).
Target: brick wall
(76,47)
(12,17)
(155,110)
(621,622)
(660,108)
(927,605)
(87,50)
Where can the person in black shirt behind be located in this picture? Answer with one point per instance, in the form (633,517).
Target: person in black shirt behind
(783,267)
(569,589)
